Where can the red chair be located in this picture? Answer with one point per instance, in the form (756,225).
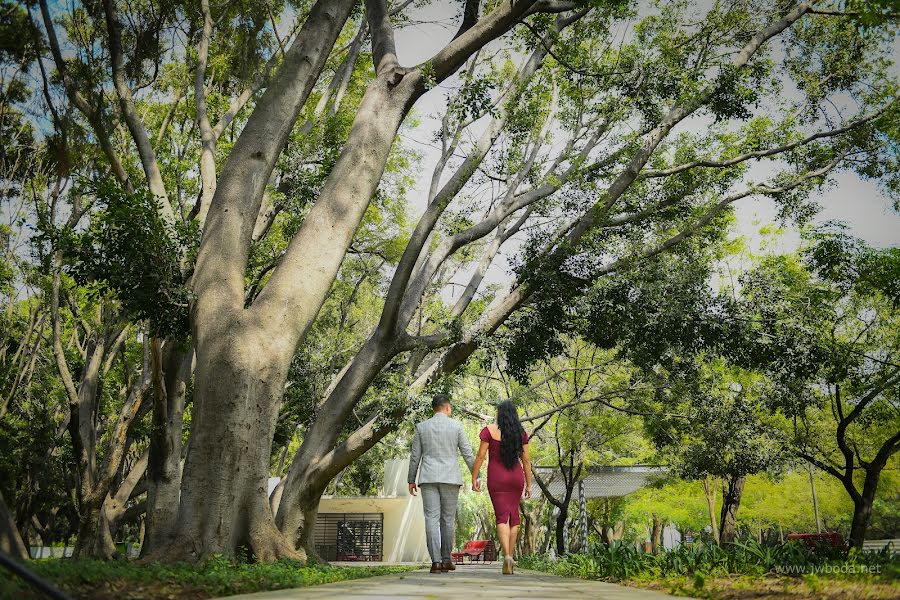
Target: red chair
(815,539)
(477,551)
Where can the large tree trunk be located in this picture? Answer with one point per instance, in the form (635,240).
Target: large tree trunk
(306,271)
(172,367)
(90,541)
(287,306)
(303,509)
(862,507)
(732,490)
(10,540)
(224,504)
(309,510)
(310,470)
(243,355)
(296,513)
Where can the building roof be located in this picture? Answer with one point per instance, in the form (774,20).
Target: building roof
(601,481)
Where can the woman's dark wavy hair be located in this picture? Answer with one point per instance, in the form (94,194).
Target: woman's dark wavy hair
(510,433)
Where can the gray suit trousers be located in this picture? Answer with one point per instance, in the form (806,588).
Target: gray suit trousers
(439,501)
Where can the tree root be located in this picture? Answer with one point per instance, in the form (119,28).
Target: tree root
(266,543)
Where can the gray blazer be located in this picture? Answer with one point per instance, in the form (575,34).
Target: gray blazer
(435,447)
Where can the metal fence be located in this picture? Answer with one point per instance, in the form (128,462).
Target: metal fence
(350,536)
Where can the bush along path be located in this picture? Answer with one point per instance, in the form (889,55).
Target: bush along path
(121,580)
(742,571)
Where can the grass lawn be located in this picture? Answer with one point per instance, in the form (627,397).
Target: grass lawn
(98,580)
(774,587)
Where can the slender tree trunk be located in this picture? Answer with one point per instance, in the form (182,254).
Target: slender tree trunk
(172,368)
(43,533)
(862,511)
(732,490)
(547,532)
(530,527)
(709,489)
(106,544)
(656,531)
(862,507)
(113,510)
(10,540)
(561,520)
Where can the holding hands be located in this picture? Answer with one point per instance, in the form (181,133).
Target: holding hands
(476,483)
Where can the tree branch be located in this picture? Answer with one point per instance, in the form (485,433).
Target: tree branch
(384,50)
(767,152)
(222,258)
(470,17)
(132,120)
(93,114)
(489,27)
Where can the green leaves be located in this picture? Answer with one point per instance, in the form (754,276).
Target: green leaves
(16,38)
(729,434)
(128,251)
(738,91)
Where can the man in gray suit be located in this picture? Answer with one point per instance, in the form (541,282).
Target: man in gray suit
(435,448)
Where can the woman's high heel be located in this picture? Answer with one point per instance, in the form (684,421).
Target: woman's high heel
(508,565)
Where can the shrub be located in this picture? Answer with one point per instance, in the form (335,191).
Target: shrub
(620,561)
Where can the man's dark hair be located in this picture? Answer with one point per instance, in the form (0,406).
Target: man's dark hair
(439,401)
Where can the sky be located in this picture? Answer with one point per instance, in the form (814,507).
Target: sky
(867,213)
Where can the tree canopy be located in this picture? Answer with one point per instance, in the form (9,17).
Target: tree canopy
(224,244)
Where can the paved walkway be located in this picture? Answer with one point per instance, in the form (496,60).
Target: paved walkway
(469,582)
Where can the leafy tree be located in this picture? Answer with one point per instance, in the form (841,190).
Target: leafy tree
(574,404)
(276,147)
(828,326)
(729,435)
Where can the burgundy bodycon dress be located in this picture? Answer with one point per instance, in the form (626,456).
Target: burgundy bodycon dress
(504,485)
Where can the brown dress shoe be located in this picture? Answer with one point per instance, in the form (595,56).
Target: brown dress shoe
(449,566)
(437,568)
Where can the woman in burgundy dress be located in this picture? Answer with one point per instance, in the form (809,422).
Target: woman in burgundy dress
(509,472)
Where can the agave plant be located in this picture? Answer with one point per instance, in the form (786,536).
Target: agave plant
(757,557)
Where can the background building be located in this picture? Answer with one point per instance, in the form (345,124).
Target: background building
(389,527)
